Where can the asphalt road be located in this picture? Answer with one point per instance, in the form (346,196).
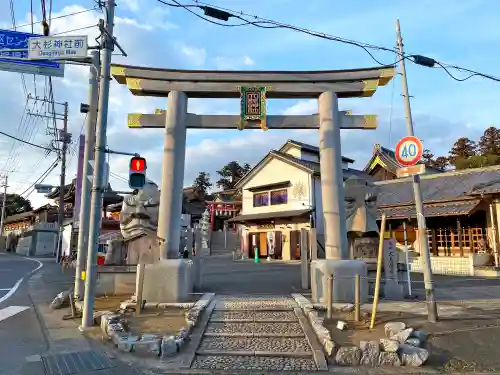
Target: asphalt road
(20,331)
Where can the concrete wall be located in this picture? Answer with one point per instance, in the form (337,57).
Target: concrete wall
(273,172)
(232,240)
(115,283)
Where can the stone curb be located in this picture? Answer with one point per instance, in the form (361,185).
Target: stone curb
(400,348)
(316,322)
(113,327)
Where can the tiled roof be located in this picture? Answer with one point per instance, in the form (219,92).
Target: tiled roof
(314,167)
(386,156)
(431,210)
(69,190)
(446,186)
(311,148)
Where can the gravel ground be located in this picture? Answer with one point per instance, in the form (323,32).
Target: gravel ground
(257,328)
(271,344)
(257,316)
(254,363)
(256,302)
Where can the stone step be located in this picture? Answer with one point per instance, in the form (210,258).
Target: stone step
(250,334)
(255,328)
(251,362)
(260,303)
(253,316)
(274,346)
(277,308)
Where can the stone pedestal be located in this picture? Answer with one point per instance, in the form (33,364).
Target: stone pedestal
(344,272)
(169,280)
(392,289)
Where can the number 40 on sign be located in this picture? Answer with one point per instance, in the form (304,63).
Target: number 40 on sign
(409,151)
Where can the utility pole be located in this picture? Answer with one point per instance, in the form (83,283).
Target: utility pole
(4,203)
(90,123)
(425,255)
(100,158)
(63,137)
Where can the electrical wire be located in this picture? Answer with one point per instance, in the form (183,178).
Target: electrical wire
(26,142)
(42,177)
(271,24)
(58,17)
(78,29)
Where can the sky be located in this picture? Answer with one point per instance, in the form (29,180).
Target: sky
(459,33)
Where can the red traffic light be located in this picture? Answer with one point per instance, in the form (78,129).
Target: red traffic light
(137,164)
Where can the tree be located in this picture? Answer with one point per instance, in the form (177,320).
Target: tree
(489,143)
(202,183)
(441,162)
(462,150)
(231,173)
(427,158)
(16,204)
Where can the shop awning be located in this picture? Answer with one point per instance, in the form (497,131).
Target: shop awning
(269,216)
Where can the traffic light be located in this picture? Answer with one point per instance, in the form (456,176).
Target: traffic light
(137,173)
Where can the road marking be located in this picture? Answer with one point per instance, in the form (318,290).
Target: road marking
(11,311)
(4,289)
(19,282)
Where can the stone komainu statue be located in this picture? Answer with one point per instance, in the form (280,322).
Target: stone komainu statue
(361,216)
(139,214)
(138,226)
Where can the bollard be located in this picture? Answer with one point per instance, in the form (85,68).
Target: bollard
(256,256)
(329,297)
(357,298)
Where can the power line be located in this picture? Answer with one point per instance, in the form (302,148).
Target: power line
(56,18)
(224,14)
(26,142)
(42,177)
(70,31)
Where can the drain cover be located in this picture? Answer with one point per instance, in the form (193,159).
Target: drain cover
(75,363)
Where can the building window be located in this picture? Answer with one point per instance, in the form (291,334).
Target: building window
(279,197)
(261,199)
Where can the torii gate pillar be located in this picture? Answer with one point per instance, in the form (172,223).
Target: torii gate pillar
(332,192)
(172,177)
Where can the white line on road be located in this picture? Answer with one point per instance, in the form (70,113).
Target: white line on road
(19,282)
(11,311)
(4,289)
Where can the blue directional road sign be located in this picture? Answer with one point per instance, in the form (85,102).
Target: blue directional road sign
(15,40)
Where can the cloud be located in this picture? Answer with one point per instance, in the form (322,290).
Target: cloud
(197,56)
(227,63)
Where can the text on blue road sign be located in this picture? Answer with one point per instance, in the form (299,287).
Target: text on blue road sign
(17,40)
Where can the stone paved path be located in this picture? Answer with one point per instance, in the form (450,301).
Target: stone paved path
(257,333)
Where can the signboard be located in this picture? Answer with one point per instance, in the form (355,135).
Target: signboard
(409,151)
(79,176)
(58,47)
(15,40)
(253,106)
(410,171)
(43,189)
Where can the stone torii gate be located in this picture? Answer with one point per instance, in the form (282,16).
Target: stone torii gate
(253,88)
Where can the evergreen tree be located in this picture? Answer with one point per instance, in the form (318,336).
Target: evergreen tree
(489,145)
(462,150)
(231,173)
(16,204)
(202,183)
(441,162)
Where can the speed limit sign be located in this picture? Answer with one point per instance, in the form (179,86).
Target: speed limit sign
(409,151)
